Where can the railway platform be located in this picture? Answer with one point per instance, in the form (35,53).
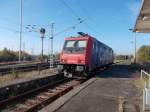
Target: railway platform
(110,91)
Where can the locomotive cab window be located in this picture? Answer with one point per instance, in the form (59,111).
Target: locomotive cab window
(81,43)
(70,44)
(75,46)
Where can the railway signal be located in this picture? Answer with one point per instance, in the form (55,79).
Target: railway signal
(42,32)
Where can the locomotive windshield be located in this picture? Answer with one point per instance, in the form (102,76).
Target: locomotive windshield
(75,46)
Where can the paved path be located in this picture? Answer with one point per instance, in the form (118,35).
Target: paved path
(102,95)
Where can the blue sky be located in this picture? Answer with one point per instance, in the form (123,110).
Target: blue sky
(106,20)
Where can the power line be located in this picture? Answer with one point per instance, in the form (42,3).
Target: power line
(9,29)
(92,29)
(87,13)
(76,15)
(33,28)
(70,27)
(89,17)
(70,8)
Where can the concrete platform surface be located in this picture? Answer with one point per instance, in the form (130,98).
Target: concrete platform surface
(98,95)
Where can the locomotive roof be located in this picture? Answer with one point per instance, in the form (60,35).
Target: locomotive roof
(78,38)
(86,37)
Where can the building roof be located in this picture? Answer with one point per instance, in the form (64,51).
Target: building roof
(143,20)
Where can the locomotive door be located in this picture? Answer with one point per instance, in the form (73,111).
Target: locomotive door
(95,54)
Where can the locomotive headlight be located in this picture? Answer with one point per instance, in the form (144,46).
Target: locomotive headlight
(62,60)
(82,61)
(80,68)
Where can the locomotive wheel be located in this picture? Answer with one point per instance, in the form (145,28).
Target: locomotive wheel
(65,73)
(60,71)
(86,74)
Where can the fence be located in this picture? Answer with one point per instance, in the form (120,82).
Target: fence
(145,76)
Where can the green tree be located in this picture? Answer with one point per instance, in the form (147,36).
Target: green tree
(8,55)
(144,53)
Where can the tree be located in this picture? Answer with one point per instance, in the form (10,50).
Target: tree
(8,55)
(144,53)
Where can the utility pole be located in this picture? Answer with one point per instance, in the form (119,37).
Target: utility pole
(32,51)
(20,42)
(135,48)
(23,49)
(51,47)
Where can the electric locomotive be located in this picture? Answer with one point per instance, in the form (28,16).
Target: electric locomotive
(83,54)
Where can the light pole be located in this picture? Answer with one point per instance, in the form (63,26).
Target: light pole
(20,42)
(135,45)
(42,32)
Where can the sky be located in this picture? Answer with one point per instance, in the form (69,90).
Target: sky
(106,20)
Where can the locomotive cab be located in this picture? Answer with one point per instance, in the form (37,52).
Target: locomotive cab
(73,59)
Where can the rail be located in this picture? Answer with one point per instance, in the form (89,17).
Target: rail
(13,69)
(37,98)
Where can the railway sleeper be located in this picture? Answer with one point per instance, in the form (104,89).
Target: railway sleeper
(38,101)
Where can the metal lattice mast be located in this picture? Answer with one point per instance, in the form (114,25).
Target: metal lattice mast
(51,47)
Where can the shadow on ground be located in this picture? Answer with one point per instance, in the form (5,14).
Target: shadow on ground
(119,71)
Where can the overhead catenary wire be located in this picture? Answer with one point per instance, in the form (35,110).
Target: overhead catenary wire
(9,29)
(70,8)
(8,22)
(70,27)
(5,27)
(80,21)
(76,15)
(90,18)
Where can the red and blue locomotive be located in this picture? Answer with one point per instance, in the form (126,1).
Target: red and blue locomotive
(83,54)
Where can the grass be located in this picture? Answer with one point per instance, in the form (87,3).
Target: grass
(121,104)
(8,78)
(139,84)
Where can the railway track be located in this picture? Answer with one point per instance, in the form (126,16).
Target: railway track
(25,67)
(17,62)
(35,99)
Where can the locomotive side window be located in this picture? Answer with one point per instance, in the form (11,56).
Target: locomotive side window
(94,45)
